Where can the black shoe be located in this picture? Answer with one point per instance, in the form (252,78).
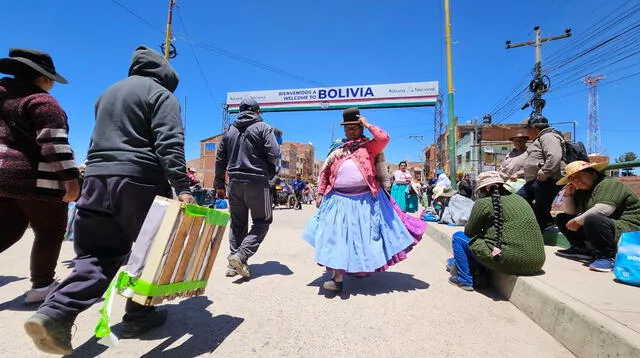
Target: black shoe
(332,285)
(50,335)
(140,322)
(575,253)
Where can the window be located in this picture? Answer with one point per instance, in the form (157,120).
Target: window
(209,147)
(467,156)
(460,159)
(505,148)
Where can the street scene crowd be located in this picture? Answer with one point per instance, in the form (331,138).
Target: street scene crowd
(366,222)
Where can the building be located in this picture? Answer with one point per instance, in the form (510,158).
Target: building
(479,147)
(298,158)
(205,165)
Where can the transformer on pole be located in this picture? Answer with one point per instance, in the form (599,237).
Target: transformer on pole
(593,130)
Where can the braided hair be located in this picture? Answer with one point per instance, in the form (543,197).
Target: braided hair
(497,220)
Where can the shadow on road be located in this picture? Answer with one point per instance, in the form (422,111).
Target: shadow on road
(268,268)
(376,284)
(5,280)
(189,317)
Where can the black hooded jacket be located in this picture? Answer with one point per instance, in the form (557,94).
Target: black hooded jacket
(248,150)
(138,130)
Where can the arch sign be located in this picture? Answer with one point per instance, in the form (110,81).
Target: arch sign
(414,94)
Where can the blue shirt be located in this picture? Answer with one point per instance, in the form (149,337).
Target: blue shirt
(298,185)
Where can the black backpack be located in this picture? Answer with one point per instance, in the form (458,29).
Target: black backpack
(572,151)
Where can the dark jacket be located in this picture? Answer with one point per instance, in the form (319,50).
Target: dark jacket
(35,155)
(138,129)
(248,150)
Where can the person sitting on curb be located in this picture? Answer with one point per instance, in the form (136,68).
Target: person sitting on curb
(597,210)
(502,235)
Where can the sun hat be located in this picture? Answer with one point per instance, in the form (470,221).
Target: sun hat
(487,178)
(443,191)
(350,116)
(577,166)
(37,60)
(520,134)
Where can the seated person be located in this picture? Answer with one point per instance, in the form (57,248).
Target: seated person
(597,210)
(441,196)
(502,234)
(464,187)
(458,210)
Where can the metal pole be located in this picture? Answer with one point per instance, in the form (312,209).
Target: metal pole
(167,41)
(452,124)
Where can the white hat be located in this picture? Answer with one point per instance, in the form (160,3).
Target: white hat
(485,179)
(443,191)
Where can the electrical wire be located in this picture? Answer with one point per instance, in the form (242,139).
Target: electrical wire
(223,52)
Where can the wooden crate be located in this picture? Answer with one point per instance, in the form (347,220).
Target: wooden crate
(183,249)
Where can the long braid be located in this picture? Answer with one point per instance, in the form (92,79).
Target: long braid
(498,219)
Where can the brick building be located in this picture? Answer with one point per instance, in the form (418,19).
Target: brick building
(297,158)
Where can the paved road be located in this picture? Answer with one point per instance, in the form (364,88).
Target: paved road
(410,311)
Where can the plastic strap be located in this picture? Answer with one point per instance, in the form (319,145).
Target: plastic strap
(125,281)
(211,216)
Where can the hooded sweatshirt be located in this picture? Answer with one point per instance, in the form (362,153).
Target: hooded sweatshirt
(248,150)
(138,130)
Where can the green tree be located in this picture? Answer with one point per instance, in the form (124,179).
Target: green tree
(627,157)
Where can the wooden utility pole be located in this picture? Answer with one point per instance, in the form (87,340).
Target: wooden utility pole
(167,42)
(538,86)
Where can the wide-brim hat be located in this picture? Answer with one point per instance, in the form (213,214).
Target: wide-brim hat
(445,191)
(520,135)
(577,166)
(488,178)
(37,60)
(350,116)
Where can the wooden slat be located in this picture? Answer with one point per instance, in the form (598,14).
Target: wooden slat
(200,252)
(169,265)
(157,249)
(215,247)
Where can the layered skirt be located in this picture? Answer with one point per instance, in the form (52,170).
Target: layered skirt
(360,234)
(407,202)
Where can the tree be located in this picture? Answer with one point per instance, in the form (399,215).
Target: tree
(627,157)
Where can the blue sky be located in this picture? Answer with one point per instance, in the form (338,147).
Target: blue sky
(335,43)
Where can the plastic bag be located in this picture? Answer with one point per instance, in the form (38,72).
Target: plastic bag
(626,268)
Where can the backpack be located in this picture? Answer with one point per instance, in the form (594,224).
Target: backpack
(571,151)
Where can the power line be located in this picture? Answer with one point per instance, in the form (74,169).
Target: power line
(223,52)
(195,57)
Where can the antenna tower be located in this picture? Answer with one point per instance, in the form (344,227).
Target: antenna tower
(593,132)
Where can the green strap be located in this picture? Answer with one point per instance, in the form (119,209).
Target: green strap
(127,281)
(211,216)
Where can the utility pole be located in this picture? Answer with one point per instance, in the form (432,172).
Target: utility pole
(593,131)
(437,130)
(168,49)
(538,86)
(452,123)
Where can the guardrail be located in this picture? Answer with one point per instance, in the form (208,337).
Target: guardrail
(623,165)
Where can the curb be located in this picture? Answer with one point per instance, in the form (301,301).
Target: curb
(581,329)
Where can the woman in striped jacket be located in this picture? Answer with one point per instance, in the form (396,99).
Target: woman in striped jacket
(38,174)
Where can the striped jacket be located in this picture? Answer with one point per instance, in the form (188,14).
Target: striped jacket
(35,155)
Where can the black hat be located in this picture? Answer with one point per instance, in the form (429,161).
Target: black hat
(350,116)
(37,60)
(249,104)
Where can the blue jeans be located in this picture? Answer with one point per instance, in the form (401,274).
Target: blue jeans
(463,258)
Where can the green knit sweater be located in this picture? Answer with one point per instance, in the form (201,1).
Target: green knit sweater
(522,243)
(612,192)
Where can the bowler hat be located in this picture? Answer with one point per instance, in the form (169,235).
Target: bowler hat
(350,116)
(37,60)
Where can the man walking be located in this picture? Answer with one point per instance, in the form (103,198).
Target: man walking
(298,187)
(248,152)
(542,169)
(136,146)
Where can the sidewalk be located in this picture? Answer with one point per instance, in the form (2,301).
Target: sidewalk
(586,311)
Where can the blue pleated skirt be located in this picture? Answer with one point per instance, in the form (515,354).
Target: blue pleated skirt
(358,234)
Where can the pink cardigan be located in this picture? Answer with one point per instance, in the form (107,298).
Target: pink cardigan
(364,157)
